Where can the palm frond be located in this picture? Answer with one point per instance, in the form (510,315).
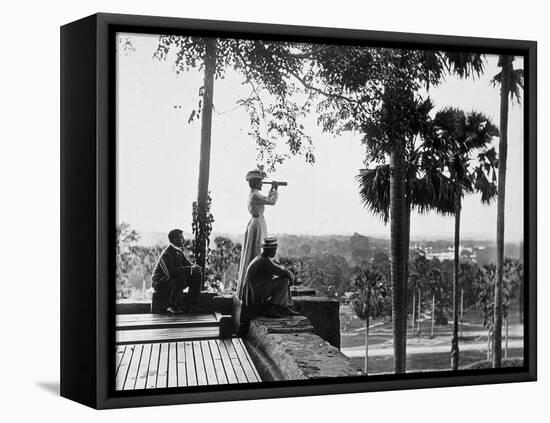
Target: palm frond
(486,188)
(435,191)
(480,131)
(434,66)
(468,135)
(516,84)
(465,65)
(448,120)
(516,80)
(374,190)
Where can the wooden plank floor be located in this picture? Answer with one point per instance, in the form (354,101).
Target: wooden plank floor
(150,321)
(134,336)
(138,328)
(185,363)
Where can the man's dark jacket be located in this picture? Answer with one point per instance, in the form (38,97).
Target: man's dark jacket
(172,263)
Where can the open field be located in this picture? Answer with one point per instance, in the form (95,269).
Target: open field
(424,353)
(426,361)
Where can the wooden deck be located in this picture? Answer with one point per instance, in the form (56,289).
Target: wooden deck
(148,321)
(181,364)
(163,351)
(137,328)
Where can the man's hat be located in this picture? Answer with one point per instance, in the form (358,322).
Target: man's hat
(269,243)
(256,174)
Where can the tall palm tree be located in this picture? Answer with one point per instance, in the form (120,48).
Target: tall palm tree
(471,163)
(511,84)
(424,188)
(434,66)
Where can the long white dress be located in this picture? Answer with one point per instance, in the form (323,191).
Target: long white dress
(255,233)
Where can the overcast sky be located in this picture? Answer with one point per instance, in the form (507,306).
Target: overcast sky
(158,156)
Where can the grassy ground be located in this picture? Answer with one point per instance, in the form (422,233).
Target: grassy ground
(424,352)
(426,362)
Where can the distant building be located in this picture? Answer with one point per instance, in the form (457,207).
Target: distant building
(466,253)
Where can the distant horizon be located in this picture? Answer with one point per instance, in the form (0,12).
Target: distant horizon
(485,237)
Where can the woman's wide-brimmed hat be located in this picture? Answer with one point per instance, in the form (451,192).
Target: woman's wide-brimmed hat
(256,174)
(269,243)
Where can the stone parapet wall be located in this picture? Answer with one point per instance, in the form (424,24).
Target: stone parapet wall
(302,290)
(209,302)
(324,315)
(133,307)
(287,349)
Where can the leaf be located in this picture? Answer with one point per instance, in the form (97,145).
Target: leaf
(191,116)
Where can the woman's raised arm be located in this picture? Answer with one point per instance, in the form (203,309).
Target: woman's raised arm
(270,199)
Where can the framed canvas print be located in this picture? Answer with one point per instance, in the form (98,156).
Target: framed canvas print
(254,211)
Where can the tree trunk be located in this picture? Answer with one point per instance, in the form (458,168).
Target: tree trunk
(406,265)
(521,295)
(433,315)
(506,338)
(506,68)
(413,312)
(489,345)
(454,341)
(461,312)
(206,132)
(391,314)
(521,285)
(398,213)
(367,343)
(419,309)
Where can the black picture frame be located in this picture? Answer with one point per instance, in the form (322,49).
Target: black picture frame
(88,209)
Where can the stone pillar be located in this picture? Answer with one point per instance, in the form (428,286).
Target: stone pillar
(324,315)
(302,290)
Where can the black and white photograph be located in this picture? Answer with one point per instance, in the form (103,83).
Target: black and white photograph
(298,211)
(275,212)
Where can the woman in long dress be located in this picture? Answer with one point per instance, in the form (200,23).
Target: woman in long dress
(256,230)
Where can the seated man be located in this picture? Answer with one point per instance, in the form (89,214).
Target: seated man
(267,283)
(173,273)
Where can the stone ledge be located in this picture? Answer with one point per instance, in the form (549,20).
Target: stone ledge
(302,290)
(137,307)
(296,353)
(210,302)
(296,324)
(324,315)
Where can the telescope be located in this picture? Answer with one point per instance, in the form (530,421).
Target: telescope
(275,183)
